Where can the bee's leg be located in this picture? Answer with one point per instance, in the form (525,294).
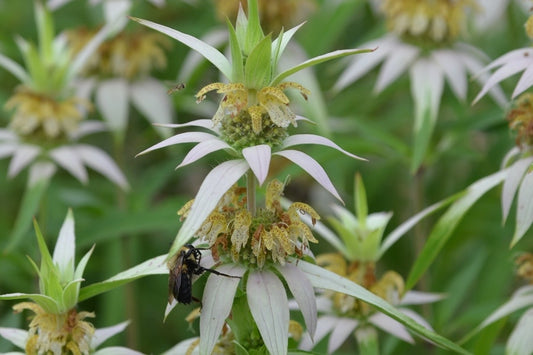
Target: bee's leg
(197,300)
(213,271)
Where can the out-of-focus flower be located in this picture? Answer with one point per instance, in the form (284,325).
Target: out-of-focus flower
(422,40)
(119,73)
(509,64)
(47,114)
(358,240)
(56,326)
(519,161)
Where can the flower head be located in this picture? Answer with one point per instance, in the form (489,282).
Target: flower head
(48,115)
(423,42)
(271,235)
(129,55)
(436,21)
(57,333)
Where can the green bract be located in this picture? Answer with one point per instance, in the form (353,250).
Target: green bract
(254,55)
(50,65)
(59,280)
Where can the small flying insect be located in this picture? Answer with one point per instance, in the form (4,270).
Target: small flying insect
(186,263)
(175,88)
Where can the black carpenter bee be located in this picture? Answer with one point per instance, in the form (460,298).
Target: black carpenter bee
(186,264)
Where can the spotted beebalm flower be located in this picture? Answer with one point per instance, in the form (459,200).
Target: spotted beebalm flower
(422,41)
(256,248)
(119,73)
(358,239)
(56,326)
(47,114)
(519,162)
(253,114)
(509,64)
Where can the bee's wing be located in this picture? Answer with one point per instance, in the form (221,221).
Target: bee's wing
(174,280)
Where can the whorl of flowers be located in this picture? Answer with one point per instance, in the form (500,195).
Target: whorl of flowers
(129,54)
(271,235)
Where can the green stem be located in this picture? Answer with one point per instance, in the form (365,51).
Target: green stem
(367,339)
(250,192)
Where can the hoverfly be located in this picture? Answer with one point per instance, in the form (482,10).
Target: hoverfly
(186,263)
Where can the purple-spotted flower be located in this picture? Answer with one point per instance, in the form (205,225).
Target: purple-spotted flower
(422,41)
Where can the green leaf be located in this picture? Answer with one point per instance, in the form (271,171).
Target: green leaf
(45,30)
(33,62)
(361,206)
(47,303)
(400,231)
(241,27)
(258,68)
(254,33)
(14,68)
(154,266)
(280,43)
(317,60)
(236,56)
(447,223)
(28,208)
(325,279)
(422,137)
(49,281)
(210,53)
(69,298)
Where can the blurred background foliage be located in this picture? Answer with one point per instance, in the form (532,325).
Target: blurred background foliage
(475,269)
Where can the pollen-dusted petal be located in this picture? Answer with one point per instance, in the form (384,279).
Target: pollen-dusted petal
(292,85)
(281,236)
(277,113)
(256,115)
(217,225)
(241,233)
(184,211)
(273,194)
(298,208)
(200,95)
(270,93)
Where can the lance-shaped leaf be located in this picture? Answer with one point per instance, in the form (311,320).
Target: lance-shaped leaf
(325,279)
(210,53)
(317,60)
(154,266)
(65,248)
(447,223)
